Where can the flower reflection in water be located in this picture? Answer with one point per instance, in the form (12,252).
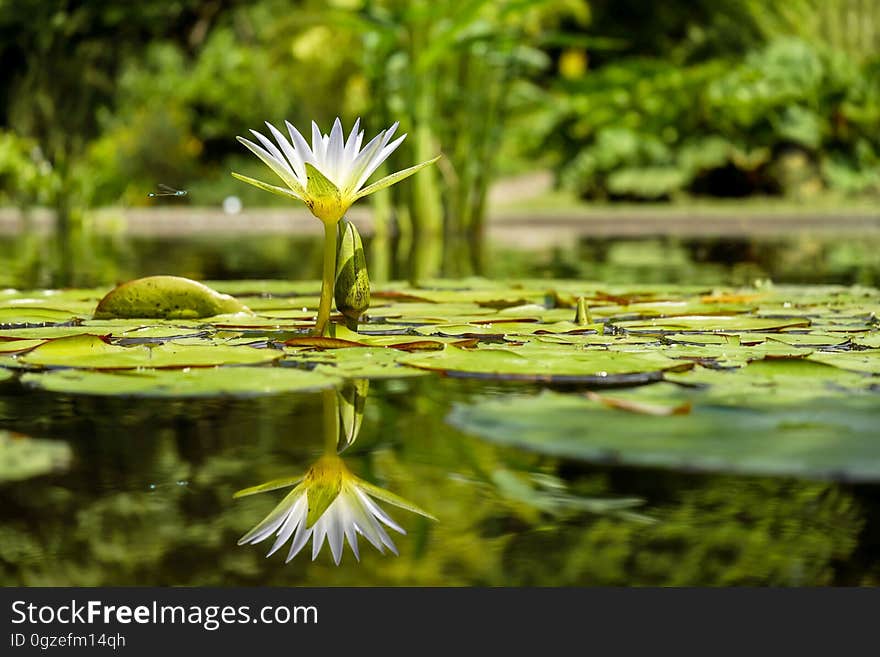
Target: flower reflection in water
(329,502)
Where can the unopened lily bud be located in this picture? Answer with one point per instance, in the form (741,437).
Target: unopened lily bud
(352,289)
(583,317)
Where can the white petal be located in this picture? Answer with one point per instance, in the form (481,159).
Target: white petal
(291,154)
(281,169)
(335,149)
(375,526)
(377,511)
(351,535)
(300,144)
(299,540)
(349,153)
(367,525)
(317,143)
(351,144)
(273,521)
(377,160)
(335,533)
(273,149)
(386,539)
(294,519)
(319,531)
(390,132)
(362,161)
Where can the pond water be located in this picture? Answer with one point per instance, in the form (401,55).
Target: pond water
(145,495)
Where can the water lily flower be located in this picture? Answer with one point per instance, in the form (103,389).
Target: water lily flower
(330,503)
(328,177)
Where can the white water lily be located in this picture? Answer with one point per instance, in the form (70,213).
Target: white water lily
(330,503)
(329,175)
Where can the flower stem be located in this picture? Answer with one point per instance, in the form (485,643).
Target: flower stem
(328,279)
(330,405)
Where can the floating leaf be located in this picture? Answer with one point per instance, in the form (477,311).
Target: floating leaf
(91,351)
(33,316)
(356,363)
(701,323)
(195,382)
(825,439)
(17,346)
(549,363)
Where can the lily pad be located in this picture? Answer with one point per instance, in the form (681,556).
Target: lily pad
(15,346)
(547,363)
(30,316)
(355,363)
(190,382)
(710,323)
(94,352)
(825,439)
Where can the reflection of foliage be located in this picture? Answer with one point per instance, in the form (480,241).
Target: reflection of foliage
(22,457)
(727,532)
(103,524)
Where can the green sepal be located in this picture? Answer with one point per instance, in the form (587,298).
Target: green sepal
(319,184)
(282,508)
(274,189)
(287,176)
(389,180)
(391,498)
(275,484)
(320,496)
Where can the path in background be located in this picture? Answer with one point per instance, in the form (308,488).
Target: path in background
(516,218)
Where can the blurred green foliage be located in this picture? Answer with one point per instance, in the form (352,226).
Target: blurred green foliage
(625,99)
(791,117)
(25,175)
(720,98)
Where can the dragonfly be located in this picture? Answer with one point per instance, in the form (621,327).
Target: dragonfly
(165,190)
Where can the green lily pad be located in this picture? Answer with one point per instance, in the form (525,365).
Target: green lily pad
(504,327)
(859,361)
(194,382)
(14,346)
(710,323)
(93,352)
(774,381)
(825,439)
(355,362)
(49,332)
(547,363)
(26,316)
